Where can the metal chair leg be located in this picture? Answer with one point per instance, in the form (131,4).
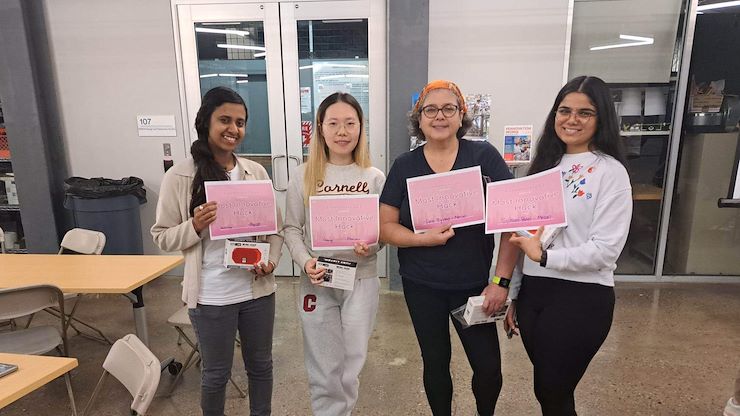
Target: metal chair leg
(95,393)
(242,394)
(68,381)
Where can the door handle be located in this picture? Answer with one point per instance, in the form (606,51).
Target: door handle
(298,160)
(275,173)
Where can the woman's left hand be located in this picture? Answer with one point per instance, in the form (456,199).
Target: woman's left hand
(361,249)
(531,246)
(495,298)
(263,269)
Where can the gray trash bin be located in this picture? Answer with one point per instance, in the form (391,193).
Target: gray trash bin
(111,207)
(117,217)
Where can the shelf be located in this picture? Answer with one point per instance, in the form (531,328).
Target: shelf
(16,251)
(645,133)
(6,207)
(2,159)
(646,192)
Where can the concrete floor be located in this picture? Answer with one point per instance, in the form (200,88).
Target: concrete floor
(674,349)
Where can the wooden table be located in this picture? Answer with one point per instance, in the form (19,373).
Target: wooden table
(33,372)
(122,274)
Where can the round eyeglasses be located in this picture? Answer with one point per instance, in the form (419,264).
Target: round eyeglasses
(333,127)
(583,116)
(431,111)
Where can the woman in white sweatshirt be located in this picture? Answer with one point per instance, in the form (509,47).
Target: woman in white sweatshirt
(565,301)
(337,323)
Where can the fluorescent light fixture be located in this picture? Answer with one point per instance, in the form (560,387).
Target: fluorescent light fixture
(222,31)
(234,75)
(342,21)
(636,41)
(713,6)
(344,76)
(345,66)
(242,81)
(305,67)
(208,75)
(260,54)
(247,47)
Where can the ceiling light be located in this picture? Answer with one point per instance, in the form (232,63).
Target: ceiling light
(636,41)
(260,54)
(242,81)
(208,75)
(247,47)
(234,75)
(717,5)
(305,67)
(222,31)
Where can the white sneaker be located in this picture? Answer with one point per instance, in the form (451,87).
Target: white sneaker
(732,408)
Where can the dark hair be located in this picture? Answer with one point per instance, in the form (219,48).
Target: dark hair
(415,128)
(206,167)
(606,140)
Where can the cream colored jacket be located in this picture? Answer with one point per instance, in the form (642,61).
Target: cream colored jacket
(173,228)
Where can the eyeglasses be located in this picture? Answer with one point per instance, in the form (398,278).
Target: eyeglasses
(583,116)
(334,126)
(448,111)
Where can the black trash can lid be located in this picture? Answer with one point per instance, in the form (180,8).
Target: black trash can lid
(94,188)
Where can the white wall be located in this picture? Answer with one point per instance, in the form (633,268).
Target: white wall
(114,60)
(512,49)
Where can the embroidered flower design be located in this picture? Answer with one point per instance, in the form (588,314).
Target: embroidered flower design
(575,180)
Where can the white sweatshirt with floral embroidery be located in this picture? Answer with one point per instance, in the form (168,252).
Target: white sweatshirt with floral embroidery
(598,201)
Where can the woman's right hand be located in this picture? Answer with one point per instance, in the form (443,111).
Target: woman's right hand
(437,236)
(510,324)
(315,275)
(204,215)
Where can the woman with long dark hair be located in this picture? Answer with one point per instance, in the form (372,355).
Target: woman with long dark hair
(220,300)
(565,301)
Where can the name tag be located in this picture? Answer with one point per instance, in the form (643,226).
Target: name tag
(340,274)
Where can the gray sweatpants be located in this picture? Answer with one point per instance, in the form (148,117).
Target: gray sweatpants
(215,327)
(337,325)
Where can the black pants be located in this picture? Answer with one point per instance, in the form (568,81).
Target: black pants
(430,313)
(563,325)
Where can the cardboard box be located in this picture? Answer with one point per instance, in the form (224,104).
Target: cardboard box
(245,254)
(475,315)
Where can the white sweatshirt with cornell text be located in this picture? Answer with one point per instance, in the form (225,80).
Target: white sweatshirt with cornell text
(598,202)
(338,180)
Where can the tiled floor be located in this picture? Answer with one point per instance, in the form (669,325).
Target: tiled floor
(673,350)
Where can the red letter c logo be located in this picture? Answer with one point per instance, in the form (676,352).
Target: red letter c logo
(309,303)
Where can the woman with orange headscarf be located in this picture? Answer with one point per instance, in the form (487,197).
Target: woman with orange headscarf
(442,267)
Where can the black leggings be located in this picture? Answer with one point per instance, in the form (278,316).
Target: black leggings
(430,313)
(563,324)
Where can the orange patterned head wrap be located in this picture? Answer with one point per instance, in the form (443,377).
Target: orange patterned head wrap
(441,84)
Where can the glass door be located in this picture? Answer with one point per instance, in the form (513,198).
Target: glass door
(329,47)
(238,46)
(283,58)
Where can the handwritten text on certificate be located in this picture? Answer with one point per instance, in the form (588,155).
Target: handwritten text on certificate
(245,208)
(451,198)
(339,222)
(526,203)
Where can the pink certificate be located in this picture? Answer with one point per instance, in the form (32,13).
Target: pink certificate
(338,222)
(454,197)
(526,203)
(245,208)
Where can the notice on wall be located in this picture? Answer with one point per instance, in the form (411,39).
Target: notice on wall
(517,144)
(156,126)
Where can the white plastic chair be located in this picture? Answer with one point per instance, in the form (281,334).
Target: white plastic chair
(2,241)
(81,241)
(134,365)
(21,301)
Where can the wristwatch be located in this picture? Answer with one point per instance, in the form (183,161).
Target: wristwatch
(501,281)
(543,259)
